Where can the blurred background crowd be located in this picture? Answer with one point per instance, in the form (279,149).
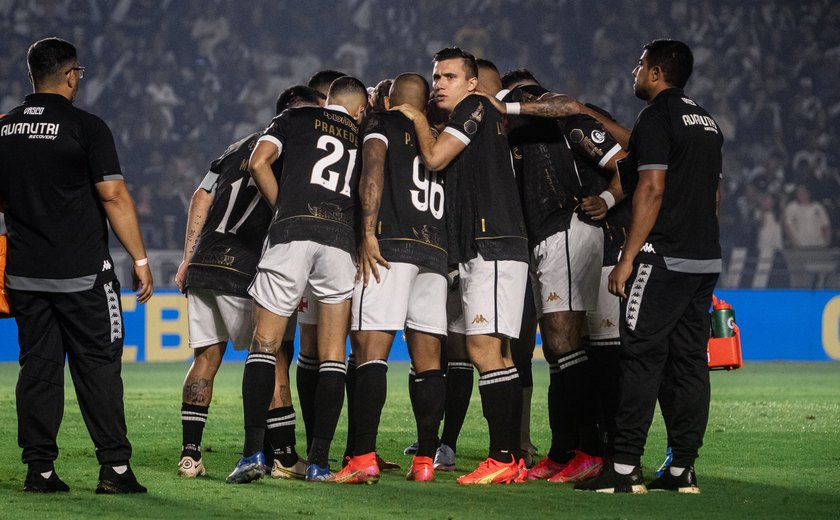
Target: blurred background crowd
(178,80)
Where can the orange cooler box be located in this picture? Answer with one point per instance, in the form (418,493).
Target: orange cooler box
(725,353)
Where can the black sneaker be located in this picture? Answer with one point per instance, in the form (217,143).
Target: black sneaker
(36,483)
(112,483)
(609,481)
(685,483)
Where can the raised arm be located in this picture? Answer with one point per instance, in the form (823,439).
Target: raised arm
(619,133)
(119,208)
(436,153)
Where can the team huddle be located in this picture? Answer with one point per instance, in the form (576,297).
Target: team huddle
(460,215)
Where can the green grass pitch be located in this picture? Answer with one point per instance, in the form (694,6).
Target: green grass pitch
(772,451)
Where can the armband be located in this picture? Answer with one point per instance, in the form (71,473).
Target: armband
(608,198)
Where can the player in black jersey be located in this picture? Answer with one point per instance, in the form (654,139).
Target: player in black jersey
(310,246)
(486,238)
(227,223)
(306,379)
(61,185)
(666,274)
(401,284)
(561,160)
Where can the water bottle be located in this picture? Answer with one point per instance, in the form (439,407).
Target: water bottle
(723,319)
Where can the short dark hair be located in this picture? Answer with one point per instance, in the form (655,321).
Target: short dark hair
(482,63)
(347,85)
(324,78)
(47,57)
(515,76)
(452,53)
(297,95)
(380,92)
(674,58)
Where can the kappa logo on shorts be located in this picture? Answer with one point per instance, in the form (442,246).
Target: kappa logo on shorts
(607,323)
(553,297)
(479,318)
(106,265)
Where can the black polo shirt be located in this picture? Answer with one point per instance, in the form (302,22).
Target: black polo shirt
(675,134)
(410,225)
(483,211)
(52,155)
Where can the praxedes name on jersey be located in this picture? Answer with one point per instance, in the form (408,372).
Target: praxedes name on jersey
(318,188)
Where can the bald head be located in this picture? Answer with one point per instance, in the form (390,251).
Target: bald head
(489,80)
(410,88)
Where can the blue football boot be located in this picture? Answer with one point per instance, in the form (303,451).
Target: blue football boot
(315,473)
(248,469)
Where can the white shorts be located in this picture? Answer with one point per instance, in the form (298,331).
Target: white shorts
(286,270)
(492,297)
(407,296)
(216,317)
(455,311)
(603,321)
(566,269)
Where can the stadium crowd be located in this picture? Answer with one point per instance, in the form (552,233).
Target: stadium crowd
(178,81)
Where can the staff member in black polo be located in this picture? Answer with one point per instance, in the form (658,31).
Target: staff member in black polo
(665,276)
(60,180)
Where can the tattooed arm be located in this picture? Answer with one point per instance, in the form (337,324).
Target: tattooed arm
(370,194)
(196,217)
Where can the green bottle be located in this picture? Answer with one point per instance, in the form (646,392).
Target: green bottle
(723,319)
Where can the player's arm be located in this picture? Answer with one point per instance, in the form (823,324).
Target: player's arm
(436,153)
(119,208)
(200,204)
(647,201)
(618,132)
(597,206)
(547,105)
(259,165)
(371,185)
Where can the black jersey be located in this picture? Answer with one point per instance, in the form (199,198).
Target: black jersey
(229,247)
(318,188)
(550,184)
(593,147)
(52,155)
(410,226)
(674,134)
(483,211)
